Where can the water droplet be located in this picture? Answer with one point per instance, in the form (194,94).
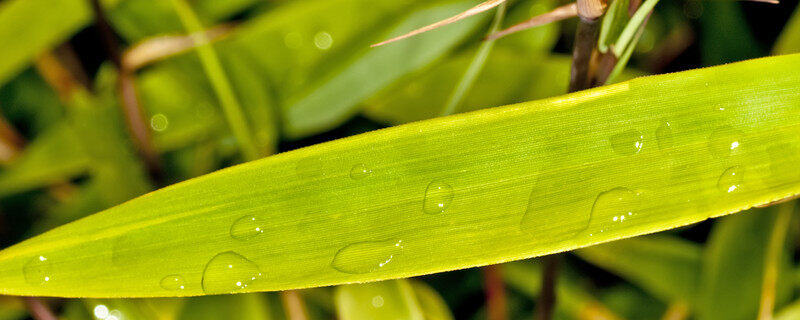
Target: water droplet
(615,205)
(377,301)
(664,136)
(159,122)
(114,315)
(38,270)
(247,227)
(627,143)
(731,180)
(323,40)
(366,257)
(360,171)
(724,142)
(438,196)
(173,282)
(229,272)
(554,192)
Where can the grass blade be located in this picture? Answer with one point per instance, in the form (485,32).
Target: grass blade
(614,162)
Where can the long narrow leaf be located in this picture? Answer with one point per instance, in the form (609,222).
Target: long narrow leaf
(461,191)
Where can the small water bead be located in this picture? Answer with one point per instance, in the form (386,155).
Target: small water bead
(360,171)
(247,227)
(724,142)
(730,181)
(366,257)
(173,282)
(229,272)
(38,270)
(159,122)
(615,205)
(323,40)
(438,196)
(627,143)
(664,136)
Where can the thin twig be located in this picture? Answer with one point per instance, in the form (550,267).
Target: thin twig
(585,43)
(547,298)
(38,309)
(557,14)
(158,48)
(129,98)
(495,292)
(485,6)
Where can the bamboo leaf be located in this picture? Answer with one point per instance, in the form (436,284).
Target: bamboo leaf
(28,27)
(728,292)
(376,300)
(614,162)
(666,267)
(335,99)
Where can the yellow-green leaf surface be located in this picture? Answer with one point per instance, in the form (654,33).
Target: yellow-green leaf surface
(467,190)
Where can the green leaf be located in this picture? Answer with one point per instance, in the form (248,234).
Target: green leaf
(467,190)
(789,40)
(335,98)
(432,305)
(666,267)
(244,306)
(376,300)
(730,287)
(28,27)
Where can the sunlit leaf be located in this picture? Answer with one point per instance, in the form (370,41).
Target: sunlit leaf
(472,189)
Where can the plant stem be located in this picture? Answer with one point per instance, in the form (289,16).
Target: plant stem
(129,98)
(475,67)
(10,142)
(495,291)
(772,260)
(585,43)
(219,81)
(547,298)
(38,309)
(293,305)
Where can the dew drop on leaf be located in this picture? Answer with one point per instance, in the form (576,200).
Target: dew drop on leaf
(360,171)
(173,282)
(627,143)
(438,197)
(612,207)
(229,272)
(664,136)
(367,256)
(38,270)
(724,142)
(730,181)
(247,227)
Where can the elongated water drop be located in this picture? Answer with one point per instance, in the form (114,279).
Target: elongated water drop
(612,208)
(366,257)
(38,270)
(730,181)
(229,272)
(627,143)
(724,142)
(247,227)
(173,282)
(360,171)
(438,197)
(664,136)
